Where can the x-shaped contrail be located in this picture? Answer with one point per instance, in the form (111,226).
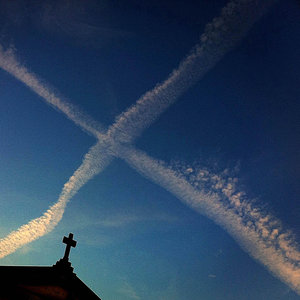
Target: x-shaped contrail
(220,36)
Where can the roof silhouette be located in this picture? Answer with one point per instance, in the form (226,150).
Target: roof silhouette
(54,282)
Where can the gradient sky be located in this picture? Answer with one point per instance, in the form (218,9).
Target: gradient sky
(135,239)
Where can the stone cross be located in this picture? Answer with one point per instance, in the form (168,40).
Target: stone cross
(70,243)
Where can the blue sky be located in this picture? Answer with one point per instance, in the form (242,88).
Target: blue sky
(143,231)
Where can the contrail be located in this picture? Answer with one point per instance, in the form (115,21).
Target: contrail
(259,234)
(10,64)
(92,164)
(280,255)
(218,38)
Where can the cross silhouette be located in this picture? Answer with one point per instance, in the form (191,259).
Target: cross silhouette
(70,243)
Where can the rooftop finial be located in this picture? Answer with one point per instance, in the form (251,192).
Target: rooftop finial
(70,243)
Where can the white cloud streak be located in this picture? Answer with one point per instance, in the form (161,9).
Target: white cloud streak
(128,291)
(10,63)
(257,232)
(92,164)
(260,235)
(219,37)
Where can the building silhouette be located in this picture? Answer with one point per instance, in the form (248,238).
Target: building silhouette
(35,283)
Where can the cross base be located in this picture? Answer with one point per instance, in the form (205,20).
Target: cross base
(63,266)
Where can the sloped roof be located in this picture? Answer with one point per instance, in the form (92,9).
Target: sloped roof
(35,283)
(22,282)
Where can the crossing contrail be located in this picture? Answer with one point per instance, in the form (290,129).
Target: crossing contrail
(268,244)
(259,234)
(219,37)
(10,63)
(93,163)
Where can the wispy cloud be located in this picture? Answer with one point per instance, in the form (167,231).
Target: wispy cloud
(92,164)
(74,21)
(128,291)
(219,37)
(171,291)
(10,63)
(257,232)
(122,220)
(118,219)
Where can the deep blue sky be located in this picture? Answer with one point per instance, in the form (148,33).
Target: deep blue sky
(135,239)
